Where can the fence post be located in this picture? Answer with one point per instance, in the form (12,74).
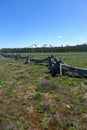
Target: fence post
(60,69)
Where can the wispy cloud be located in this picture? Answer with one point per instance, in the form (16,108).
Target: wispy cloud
(59,36)
(79,38)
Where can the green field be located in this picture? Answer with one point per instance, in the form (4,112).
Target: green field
(31,99)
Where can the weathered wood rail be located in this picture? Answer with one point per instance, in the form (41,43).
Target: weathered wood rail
(80,71)
(16,56)
(27,59)
(56,66)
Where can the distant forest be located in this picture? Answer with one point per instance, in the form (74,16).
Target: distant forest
(77,48)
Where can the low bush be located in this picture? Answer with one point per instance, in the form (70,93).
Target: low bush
(47,86)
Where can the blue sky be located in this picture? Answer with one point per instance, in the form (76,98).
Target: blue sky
(56,22)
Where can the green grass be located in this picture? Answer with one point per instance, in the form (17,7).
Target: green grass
(31,98)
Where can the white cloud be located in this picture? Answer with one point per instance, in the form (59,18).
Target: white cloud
(59,36)
(80,38)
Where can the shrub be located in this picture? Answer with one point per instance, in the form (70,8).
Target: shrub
(44,106)
(37,96)
(1,99)
(45,122)
(47,86)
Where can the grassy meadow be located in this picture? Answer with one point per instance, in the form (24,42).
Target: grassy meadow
(31,99)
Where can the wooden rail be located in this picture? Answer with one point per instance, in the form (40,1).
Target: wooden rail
(56,66)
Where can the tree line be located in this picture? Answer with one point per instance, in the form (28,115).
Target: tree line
(77,48)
